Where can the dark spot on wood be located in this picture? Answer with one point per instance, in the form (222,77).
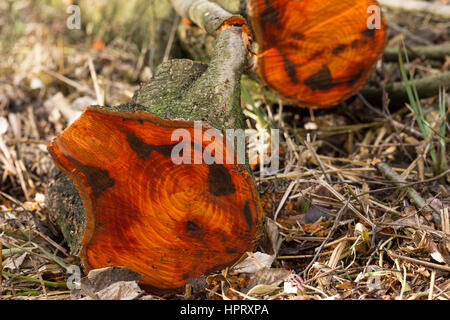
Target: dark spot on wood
(269,15)
(191,226)
(354,43)
(141,121)
(321,80)
(369,33)
(351,82)
(230,250)
(248,213)
(289,67)
(193,229)
(315,55)
(219,181)
(339,49)
(98,179)
(298,35)
(143,150)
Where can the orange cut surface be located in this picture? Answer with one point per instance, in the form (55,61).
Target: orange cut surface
(168,222)
(316,53)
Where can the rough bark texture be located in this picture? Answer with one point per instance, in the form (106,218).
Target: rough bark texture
(180,89)
(190,94)
(65,209)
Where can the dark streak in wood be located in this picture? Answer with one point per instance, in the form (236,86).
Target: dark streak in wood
(339,49)
(248,214)
(143,150)
(219,181)
(289,67)
(191,226)
(98,180)
(321,80)
(351,82)
(369,33)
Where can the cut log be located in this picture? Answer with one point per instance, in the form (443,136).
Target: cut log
(311,53)
(316,53)
(141,210)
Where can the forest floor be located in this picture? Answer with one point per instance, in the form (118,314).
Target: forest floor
(340,225)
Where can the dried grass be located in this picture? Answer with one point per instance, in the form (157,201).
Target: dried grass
(341,229)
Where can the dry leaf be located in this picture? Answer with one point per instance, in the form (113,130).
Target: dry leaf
(15,263)
(122,290)
(100,279)
(262,289)
(253,263)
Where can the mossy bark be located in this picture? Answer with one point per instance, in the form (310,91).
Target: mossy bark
(180,90)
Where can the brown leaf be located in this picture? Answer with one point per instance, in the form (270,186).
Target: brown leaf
(122,290)
(100,279)
(273,277)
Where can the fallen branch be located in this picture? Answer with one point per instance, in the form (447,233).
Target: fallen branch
(418,201)
(420,262)
(426,88)
(432,52)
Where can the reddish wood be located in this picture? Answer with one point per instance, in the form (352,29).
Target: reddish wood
(168,222)
(315,53)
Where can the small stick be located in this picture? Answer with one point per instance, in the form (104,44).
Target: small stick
(419,202)
(445,221)
(432,281)
(39,276)
(316,157)
(169,46)
(443,174)
(421,262)
(330,234)
(324,274)
(76,85)
(283,200)
(431,52)
(47,283)
(98,91)
(426,87)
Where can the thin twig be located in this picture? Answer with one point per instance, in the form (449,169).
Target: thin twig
(330,234)
(421,262)
(419,202)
